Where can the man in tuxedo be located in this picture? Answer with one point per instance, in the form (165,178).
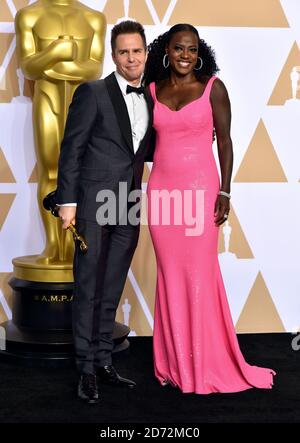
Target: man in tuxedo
(106,141)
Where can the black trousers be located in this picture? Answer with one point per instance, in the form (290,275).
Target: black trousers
(99,276)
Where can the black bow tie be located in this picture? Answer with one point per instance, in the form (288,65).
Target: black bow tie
(139,90)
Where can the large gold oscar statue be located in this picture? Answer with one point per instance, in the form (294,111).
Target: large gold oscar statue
(60,44)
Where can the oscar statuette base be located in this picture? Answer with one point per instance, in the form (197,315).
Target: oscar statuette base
(40,333)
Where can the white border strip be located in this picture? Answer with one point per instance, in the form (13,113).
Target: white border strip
(11,7)
(7,27)
(140,298)
(5,306)
(169,12)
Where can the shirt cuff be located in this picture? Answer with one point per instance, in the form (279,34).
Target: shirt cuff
(67,204)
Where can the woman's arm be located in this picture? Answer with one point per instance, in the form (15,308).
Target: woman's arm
(222,119)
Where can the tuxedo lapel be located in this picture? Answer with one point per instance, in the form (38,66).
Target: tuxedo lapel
(120,109)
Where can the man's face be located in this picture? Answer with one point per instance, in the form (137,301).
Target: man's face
(130,57)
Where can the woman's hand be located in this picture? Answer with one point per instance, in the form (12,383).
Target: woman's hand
(222,208)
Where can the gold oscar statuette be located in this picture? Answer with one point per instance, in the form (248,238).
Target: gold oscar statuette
(49,203)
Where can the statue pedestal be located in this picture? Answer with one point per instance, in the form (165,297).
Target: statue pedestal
(40,332)
(29,268)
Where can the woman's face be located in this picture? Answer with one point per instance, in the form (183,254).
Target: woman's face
(183,52)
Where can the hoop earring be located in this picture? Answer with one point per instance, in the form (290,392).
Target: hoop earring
(201,64)
(166,65)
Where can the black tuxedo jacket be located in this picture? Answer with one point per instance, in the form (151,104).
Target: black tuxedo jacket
(97,149)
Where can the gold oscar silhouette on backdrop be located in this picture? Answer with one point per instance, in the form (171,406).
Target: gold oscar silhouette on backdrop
(60,44)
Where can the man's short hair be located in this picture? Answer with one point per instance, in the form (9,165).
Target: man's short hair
(127,27)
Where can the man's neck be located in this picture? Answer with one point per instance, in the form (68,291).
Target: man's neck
(134,83)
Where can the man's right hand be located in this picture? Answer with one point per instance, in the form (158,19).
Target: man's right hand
(67,215)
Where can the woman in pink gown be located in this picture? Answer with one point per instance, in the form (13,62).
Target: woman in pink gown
(195,345)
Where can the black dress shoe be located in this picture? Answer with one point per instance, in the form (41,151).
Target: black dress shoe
(88,389)
(108,375)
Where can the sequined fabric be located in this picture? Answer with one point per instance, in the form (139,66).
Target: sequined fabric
(195,345)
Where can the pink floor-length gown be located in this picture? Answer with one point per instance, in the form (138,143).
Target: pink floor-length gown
(195,345)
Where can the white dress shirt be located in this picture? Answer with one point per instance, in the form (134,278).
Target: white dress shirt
(138,115)
(137,111)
